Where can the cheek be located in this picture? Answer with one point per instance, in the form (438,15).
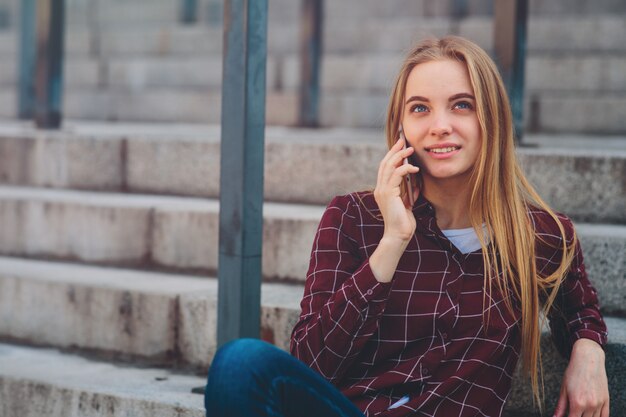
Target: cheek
(414,133)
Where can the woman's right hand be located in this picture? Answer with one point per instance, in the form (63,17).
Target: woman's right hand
(396,211)
(395,208)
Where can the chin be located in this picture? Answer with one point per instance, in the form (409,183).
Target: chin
(450,175)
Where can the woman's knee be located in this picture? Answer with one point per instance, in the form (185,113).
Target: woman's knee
(242,357)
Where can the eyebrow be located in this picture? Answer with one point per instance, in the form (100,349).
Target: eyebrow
(452,98)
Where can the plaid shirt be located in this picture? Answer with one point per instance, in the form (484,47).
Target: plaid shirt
(423,334)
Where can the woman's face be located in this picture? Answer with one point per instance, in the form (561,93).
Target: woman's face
(440,122)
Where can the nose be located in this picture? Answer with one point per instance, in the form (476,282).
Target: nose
(440,126)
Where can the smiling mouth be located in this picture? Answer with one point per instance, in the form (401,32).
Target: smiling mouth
(444,150)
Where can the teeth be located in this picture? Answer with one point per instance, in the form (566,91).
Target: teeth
(444,150)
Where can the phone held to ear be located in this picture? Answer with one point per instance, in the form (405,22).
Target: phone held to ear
(408,178)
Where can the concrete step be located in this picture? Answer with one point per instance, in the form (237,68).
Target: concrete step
(43,381)
(181,234)
(589,34)
(570,74)
(375,34)
(148,159)
(79,72)
(556,34)
(113,13)
(144,317)
(169,233)
(594,34)
(520,400)
(562,113)
(76,44)
(160,106)
(577,7)
(547,111)
(395,8)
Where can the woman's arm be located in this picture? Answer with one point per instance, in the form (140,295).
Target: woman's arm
(580,333)
(345,294)
(584,391)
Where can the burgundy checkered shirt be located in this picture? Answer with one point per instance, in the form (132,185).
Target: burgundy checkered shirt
(424,334)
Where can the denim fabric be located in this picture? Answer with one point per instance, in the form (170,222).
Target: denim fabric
(251,378)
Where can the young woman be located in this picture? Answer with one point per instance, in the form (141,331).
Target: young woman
(421,299)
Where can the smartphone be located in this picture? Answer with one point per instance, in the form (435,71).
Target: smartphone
(409,178)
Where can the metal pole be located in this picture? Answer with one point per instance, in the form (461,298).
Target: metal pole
(214,12)
(241,181)
(460,9)
(310,61)
(93,13)
(189,11)
(28,53)
(511,18)
(49,73)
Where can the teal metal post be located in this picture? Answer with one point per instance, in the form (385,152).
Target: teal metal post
(510,29)
(310,62)
(189,11)
(49,72)
(460,9)
(241,181)
(214,12)
(28,54)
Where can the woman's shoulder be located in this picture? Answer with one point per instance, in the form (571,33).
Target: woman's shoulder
(354,201)
(360,205)
(546,226)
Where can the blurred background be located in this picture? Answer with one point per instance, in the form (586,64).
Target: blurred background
(109,225)
(133,60)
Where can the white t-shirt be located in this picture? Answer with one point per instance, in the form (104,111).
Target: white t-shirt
(465,240)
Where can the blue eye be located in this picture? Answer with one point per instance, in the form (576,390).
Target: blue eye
(463,105)
(419,108)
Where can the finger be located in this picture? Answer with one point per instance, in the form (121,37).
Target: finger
(591,412)
(392,188)
(605,410)
(399,174)
(383,163)
(597,412)
(561,405)
(396,160)
(575,410)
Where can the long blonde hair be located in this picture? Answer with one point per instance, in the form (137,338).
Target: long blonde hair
(500,195)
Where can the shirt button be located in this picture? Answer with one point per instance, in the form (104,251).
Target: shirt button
(425,372)
(370,292)
(445,336)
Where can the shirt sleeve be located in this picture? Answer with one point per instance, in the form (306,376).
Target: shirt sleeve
(342,299)
(576,312)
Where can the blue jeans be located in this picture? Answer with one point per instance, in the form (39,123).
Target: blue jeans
(251,378)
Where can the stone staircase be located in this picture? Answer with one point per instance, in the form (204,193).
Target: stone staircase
(109,246)
(127,61)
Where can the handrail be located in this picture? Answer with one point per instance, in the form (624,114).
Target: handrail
(311,27)
(49,73)
(241,172)
(27,61)
(511,18)
(40,90)
(188,11)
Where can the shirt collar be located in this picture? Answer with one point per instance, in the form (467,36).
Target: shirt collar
(422,207)
(427,224)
